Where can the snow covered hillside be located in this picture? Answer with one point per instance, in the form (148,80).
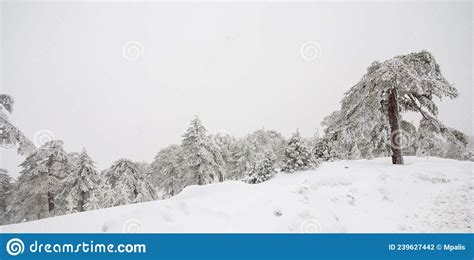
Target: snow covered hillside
(425,195)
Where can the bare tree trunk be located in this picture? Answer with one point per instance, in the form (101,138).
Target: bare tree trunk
(394,121)
(82,201)
(50,202)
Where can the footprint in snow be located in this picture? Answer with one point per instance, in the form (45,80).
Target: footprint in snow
(384,194)
(105,228)
(277,213)
(302,190)
(351,200)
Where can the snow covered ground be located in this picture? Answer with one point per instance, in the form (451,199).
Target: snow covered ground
(425,195)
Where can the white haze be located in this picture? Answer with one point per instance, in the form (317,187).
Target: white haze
(236,65)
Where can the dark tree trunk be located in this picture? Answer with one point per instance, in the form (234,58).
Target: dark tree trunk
(50,202)
(200,180)
(82,201)
(394,121)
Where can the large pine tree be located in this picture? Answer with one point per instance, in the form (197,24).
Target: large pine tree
(370,110)
(168,172)
(78,187)
(35,193)
(202,156)
(10,136)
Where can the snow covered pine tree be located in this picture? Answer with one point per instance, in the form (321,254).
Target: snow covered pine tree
(168,172)
(198,160)
(253,148)
(34,194)
(226,143)
(373,105)
(11,136)
(126,184)
(203,157)
(79,186)
(297,155)
(5,190)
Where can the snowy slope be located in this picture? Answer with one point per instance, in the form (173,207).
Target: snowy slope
(425,195)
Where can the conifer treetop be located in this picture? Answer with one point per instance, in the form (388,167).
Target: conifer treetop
(416,76)
(10,135)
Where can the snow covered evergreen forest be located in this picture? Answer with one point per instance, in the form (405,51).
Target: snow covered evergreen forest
(369,124)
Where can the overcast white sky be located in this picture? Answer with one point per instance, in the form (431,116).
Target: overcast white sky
(237,65)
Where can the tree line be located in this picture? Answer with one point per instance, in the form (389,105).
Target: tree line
(369,124)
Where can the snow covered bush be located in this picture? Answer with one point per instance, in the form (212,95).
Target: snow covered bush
(297,155)
(324,151)
(468,156)
(441,142)
(262,171)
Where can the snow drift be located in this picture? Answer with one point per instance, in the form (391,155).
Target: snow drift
(424,195)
